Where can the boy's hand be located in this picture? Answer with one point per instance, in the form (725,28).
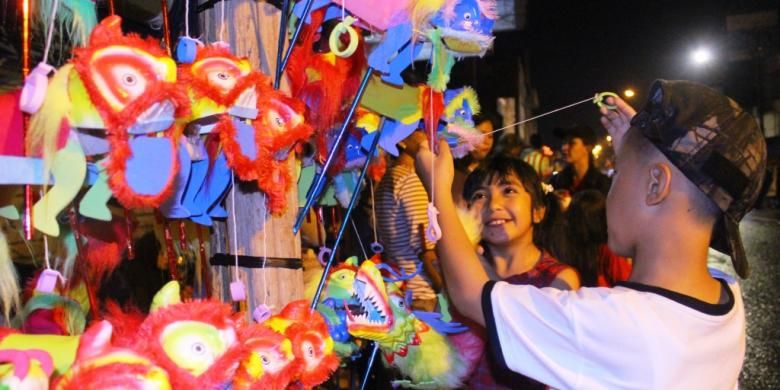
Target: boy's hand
(425,162)
(617,121)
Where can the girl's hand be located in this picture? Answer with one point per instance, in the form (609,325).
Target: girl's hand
(426,161)
(617,121)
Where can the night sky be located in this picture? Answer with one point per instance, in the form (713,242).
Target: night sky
(578,48)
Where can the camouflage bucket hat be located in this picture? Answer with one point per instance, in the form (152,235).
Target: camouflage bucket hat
(716,144)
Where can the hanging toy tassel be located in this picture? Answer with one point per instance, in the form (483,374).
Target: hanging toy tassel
(204,264)
(129,243)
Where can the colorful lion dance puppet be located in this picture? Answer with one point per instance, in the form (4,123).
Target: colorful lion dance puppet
(194,341)
(311,342)
(118,102)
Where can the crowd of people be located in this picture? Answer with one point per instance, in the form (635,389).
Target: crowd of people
(580,277)
(615,259)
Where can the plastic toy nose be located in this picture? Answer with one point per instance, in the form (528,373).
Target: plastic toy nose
(34,89)
(186,50)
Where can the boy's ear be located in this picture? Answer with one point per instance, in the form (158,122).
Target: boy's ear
(659,183)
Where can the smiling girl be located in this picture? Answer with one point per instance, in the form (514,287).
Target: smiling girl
(517,220)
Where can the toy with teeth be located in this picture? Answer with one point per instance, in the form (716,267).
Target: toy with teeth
(239,124)
(116,101)
(421,350)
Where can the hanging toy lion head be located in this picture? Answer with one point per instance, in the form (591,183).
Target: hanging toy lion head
(311,342)
(268,361)
(195,341)
(98,365)
(125,102)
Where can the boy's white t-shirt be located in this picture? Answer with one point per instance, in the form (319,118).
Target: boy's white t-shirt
(631,336)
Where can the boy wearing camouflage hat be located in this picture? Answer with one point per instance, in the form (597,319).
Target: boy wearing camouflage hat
(688,169)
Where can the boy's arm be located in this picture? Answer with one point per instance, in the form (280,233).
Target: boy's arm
(462,270)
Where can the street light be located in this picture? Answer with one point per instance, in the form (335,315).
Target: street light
(629,93)
(701,56)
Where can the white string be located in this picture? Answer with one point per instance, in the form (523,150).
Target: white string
(343,9)
(222,21)
(187,18)
(590,99)
(373,209)
(46,251)
(50,33)
(235,227)
(357,234)
(433,147)
(265,248)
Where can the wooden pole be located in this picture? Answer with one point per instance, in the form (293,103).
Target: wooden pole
(252,30)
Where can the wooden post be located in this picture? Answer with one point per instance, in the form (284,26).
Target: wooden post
(252,30)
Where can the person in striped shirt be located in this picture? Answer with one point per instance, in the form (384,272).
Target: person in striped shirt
(401,213)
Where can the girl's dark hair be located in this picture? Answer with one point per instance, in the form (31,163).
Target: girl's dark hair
(581,235)
(501,166)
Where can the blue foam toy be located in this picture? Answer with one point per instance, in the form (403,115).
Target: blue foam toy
(149,154)
(173,207)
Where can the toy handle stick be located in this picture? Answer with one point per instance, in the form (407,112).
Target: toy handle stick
(371,359)
(280,42)
(343,227)
(332,153)
(280,67)
(166,26)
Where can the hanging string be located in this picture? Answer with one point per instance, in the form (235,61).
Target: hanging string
(343,9)
(357,234)
(233,214)
(46,251)
(433,233)
(50,31)
(187,18)
(222,21)
(265,248)
(590,99)
(373,209)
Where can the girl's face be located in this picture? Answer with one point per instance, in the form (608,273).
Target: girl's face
(506,210)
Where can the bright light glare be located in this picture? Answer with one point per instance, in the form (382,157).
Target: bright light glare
(609,138)
(701,56)
(596,150)
(629,93)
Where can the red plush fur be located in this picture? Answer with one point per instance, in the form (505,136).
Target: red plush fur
(280,380)
(211,312)
(241,165)
(110,376)
(309,327)
(125,322)
(329,95)
(108,33)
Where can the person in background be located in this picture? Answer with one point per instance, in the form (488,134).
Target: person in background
(539,157)
(485,123)
(582,242)
(580,174)
(402,217)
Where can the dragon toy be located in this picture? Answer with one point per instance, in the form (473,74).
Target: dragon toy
(420,349)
